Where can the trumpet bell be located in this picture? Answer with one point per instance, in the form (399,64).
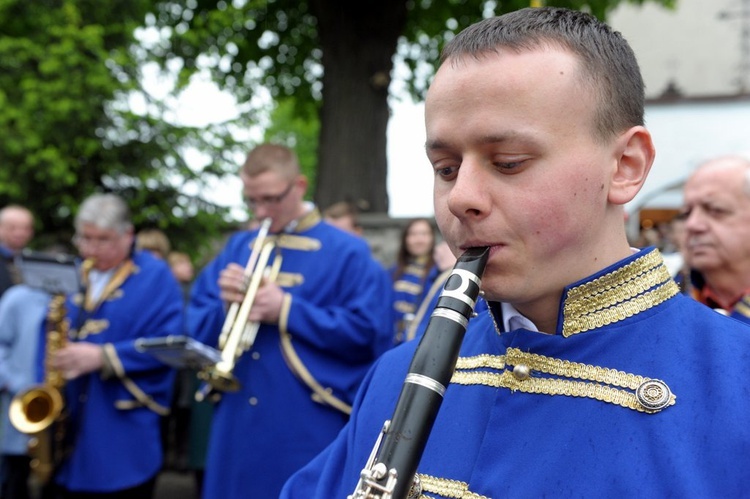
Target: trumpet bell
(35,409)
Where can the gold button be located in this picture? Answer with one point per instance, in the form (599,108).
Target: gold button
(253,401)
(521,372)
(255,355)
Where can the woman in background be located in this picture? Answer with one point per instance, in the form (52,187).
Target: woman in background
(414,263)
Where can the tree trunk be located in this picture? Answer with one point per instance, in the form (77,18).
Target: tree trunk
(358,39)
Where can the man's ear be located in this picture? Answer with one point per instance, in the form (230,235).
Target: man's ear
(634,157)
(302,182)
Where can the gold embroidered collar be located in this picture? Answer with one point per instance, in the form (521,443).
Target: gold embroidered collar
(626,291)
(308,220)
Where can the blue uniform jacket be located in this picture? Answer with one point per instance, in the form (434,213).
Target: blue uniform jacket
(409,289)
(115,422)
(337,318)
(580,424)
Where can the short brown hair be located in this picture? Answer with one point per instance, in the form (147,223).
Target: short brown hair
(271,157)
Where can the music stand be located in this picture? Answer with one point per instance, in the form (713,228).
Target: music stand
(57,274)
(179,351)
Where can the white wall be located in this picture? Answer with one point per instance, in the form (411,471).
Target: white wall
(691,45)
(686,134)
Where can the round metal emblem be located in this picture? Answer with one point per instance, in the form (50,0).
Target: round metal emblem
(653,395)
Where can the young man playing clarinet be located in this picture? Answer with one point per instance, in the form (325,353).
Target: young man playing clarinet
(591,375)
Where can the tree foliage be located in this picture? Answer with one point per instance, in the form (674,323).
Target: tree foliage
(71,75)
(334,55)
(68,71)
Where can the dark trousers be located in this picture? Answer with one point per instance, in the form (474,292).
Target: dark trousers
(16,483)
(142,491)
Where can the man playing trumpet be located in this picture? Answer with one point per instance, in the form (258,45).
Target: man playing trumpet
(321,323)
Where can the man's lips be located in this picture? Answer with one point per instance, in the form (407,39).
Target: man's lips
(494,247)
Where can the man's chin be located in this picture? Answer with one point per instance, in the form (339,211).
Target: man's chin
(704,263)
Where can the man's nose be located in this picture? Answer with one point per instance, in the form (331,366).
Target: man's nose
(469,194)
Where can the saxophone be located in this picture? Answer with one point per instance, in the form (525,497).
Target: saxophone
(39,411)
(390,471)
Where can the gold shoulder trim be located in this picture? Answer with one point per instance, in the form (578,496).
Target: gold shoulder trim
(631,391)
(408,287)
(297,242)
(91,326)
(446,488)
(320,394)
(308,220)
(289,279)
(423,307)
(625,292)
(140,396)
(415,269)
(114,283)
(743,306)
(403,307)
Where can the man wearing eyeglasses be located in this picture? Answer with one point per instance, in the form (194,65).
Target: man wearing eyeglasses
(323,321)
(115,395)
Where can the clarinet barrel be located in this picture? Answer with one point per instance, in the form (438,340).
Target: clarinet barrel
(391,470)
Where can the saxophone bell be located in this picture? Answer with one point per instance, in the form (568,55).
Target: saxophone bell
(39,410)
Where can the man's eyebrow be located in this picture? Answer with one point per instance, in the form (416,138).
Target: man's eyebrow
(486,139)
(431,145)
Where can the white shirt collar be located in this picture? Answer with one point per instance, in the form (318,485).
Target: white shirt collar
(512,319)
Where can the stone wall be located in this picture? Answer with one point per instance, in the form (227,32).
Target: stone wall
(383,233)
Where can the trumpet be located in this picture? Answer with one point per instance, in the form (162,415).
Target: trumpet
(36,411)
(238,334)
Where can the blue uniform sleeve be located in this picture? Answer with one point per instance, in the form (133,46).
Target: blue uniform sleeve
(335,471)
(357,324)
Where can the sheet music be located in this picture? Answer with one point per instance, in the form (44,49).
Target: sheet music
(179,352)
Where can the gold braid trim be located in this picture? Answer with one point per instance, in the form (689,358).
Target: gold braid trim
(297,242)
(404,307)
(549,386)
(484,360)
(621,311)
(407,287)
(452,489)
(594,385)
(743,306)
(575,370)
(119,277)
(627,291)
(616,279)
(434,289)
(142,397)
(319,393)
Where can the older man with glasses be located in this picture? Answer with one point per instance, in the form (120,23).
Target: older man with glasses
(321,323)
(115,395)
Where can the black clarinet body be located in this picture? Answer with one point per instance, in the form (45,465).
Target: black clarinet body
(391,469)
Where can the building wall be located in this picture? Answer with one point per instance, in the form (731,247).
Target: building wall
(698,47)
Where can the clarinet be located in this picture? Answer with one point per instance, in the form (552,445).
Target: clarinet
(390,472)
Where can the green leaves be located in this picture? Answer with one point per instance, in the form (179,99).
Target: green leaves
(67,69)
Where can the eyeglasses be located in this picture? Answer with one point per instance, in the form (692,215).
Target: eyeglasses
(269,200)
(91,241)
